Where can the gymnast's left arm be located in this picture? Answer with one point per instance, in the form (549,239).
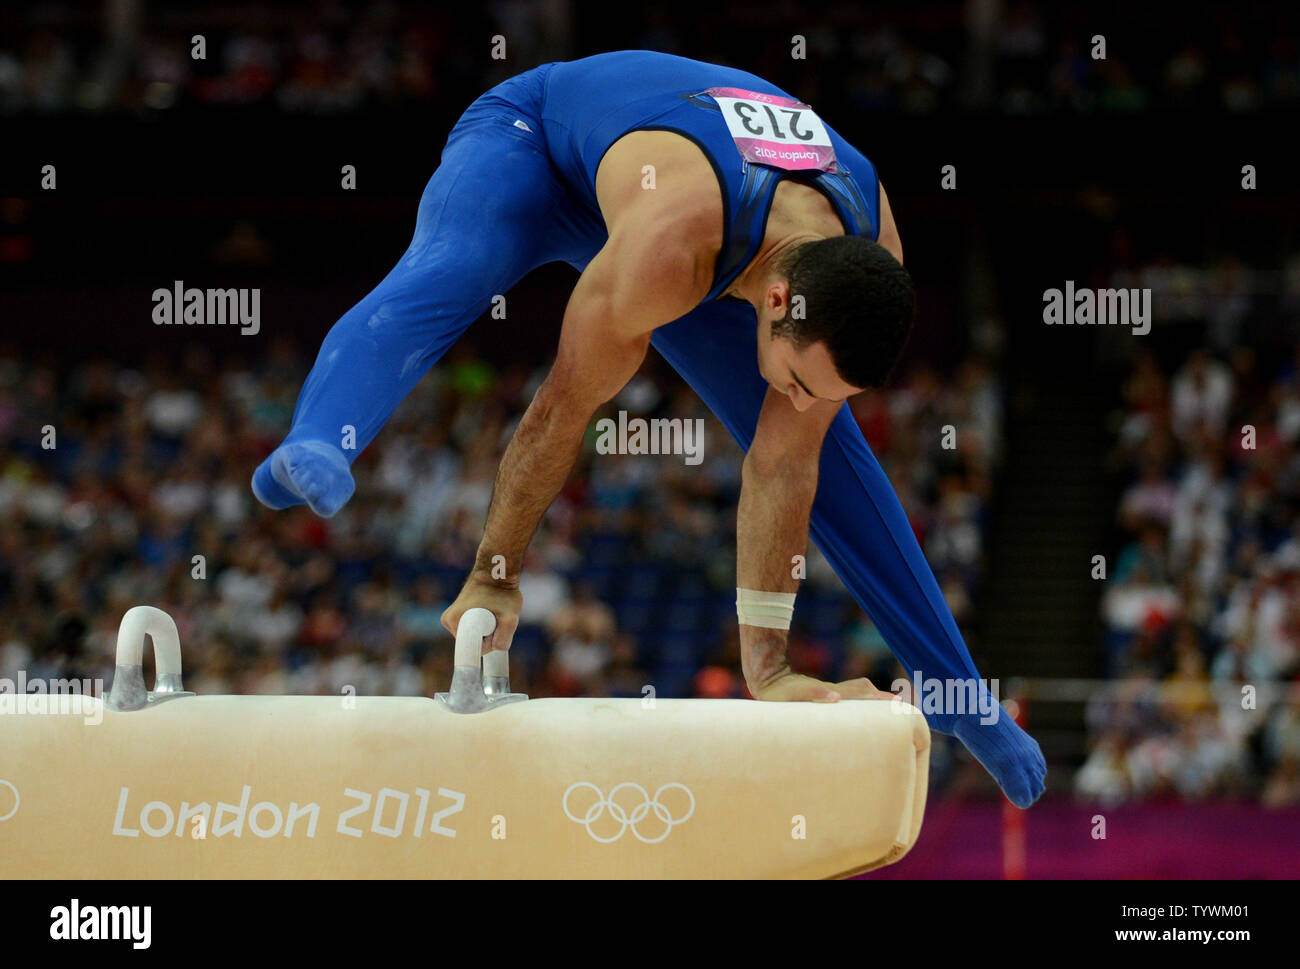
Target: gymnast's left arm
(778,484)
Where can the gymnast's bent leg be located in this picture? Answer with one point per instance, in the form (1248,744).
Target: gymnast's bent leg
(478,231)
(861,528)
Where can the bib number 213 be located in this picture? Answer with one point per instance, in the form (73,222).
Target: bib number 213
(775,131)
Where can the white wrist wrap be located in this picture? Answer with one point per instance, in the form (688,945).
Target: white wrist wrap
(770,610)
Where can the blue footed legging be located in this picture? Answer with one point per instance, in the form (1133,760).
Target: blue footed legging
(491,212)
(494,210)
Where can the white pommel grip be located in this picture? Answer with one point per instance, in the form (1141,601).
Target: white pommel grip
(479,681)
(161,628)
(496,663)
(474,626)
(129,692)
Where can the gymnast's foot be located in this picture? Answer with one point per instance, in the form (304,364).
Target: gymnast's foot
(310,471)
(1008,753)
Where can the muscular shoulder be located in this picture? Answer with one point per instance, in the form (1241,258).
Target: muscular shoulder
(663,210)
(663,179)
(657,273)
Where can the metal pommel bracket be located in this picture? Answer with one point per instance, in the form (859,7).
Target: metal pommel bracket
(129,692)
(479,682)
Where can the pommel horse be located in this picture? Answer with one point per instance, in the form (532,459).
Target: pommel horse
(478,782)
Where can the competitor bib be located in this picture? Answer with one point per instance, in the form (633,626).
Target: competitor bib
(775,131)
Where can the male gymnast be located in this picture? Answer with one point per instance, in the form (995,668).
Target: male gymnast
(718,219)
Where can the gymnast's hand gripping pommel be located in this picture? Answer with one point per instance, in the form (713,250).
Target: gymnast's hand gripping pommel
(480,681)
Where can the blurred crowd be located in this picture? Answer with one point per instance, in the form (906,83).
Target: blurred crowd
(121,486)
(915,58)
(1202,604)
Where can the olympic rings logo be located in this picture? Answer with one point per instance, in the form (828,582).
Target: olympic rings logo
(17,800)
(626,817)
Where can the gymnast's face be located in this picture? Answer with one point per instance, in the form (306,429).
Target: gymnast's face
(806,374)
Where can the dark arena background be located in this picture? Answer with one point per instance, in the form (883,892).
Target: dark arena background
(1113,512)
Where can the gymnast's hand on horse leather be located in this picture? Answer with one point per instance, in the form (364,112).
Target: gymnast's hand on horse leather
(790,686)
(503,601)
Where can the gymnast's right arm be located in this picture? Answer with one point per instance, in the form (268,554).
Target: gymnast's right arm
(606,332)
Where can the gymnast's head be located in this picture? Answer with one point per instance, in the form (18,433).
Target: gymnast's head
(834,320)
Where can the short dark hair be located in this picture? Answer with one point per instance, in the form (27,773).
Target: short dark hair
(857,299)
